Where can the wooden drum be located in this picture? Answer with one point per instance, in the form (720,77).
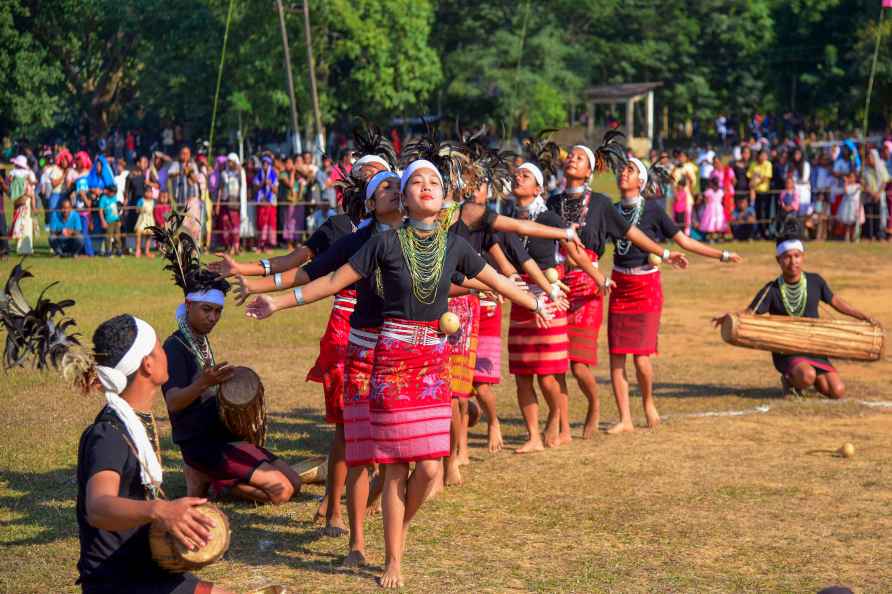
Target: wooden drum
(171,555)
(242,406)
(839,339)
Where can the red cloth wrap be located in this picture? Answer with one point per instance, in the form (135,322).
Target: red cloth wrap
(489,345)
(410,401)
(463,345)
(633,323)
(329,367)
(585,314)
(536,351)
(357,384)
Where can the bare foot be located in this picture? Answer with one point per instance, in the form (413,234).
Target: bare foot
(391,579)
(373,509)
(494,434)
(653,417)
(435,489)
(533,445)
(552,439)
(354,559)
(335,528)
(591,426)
(453,474)
(621,428)
(565,438)
(321,511)
(464,459)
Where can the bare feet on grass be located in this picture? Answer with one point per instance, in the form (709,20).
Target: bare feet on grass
(321,511)
(621,427)
(565,438)
(354,559)
(453,474)
(532,445)
(653,417)
(335,528)
(494,436)
(392,578)
(590,427)
(463,458)
(552,438)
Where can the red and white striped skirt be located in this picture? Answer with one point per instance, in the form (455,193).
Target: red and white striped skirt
(410,403)
(489,344)
(463,345)
(633,323)
(536,351)
(329,367)
(585,315)
(357,385)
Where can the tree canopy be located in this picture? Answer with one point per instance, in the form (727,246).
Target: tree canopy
(88,65)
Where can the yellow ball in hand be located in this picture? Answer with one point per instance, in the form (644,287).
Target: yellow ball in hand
(654,260)
(449,323)
(847,450)
(552,275)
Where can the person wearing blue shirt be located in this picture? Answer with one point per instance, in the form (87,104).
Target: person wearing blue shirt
(66,233)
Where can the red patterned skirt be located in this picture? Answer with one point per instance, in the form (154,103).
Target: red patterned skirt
(463,345)
(585,315)
(329,367)
(489,344)
(633,323)
(357,384)
(410,403)
(536,351)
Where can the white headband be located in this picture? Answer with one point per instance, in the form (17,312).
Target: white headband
(114,381)
(376,181)
(588,153)
(790,244)
(366,159)
(214,296)
(642,170)
(415,166)
(537,173)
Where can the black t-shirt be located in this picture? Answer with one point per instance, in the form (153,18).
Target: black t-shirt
(602,223)
(512,246)
(654,223)
(818,290)
(111,556)
(334,228)
(385,252)
(543,251)
(199,423)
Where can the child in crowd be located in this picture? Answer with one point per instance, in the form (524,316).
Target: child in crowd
(743,219)
(712,219)
(110,221)
(789,199)
(817,221)
(146,207)
(681,207)
(850,211)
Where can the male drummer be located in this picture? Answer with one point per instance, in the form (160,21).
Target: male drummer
(119,474)
(798,293)
(214,458)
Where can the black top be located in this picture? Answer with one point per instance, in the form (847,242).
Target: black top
(601,224)
(334,228)
(543,251)
(385,252)
(488,217)
(513,248)
(654,223)
(818,290)
(199,423)
(107,556)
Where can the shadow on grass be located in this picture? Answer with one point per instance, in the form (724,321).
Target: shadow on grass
(33,499)
(688,390)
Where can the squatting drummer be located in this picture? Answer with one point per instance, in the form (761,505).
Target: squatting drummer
(214,459)
(798,293)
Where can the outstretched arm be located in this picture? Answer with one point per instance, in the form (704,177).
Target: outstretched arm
(544,311)
(639,238)
(534,229)
(264,306)
(227,266)
(844,308)
(692,245)
(246,287)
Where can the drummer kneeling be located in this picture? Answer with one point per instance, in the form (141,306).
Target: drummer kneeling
(215,459)
(798,293)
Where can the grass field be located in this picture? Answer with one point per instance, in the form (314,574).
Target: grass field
(750,503)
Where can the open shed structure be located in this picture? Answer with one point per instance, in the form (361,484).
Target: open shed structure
(626,94)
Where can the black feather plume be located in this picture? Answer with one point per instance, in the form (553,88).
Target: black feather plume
(178,247)
(352,195)
(450,157)
(368,139)
(545,154)
(657,177)
(611,153)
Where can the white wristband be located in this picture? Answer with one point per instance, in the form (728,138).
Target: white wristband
(666,254)
(725,257)
(299,295)
(555,292)
(277,278)
(266,267)
(571,233)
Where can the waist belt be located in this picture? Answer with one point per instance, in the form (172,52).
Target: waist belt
(363,339)
(345,303)
(487,303)
(412,334)
(637,270)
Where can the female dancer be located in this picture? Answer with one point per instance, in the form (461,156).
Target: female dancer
(410,397)
(636,300)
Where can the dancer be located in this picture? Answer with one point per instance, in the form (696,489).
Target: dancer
(799,293)
(215,460)
(599,223)
(636,300)
(409,408)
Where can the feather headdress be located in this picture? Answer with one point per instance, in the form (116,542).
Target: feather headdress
(352,189)
(485,165)
(611,153)
(450,157)
(657,176)
(545,154)
(368,139)
(183,257)
(42,333)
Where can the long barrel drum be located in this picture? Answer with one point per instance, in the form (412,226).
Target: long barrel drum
(839,339)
